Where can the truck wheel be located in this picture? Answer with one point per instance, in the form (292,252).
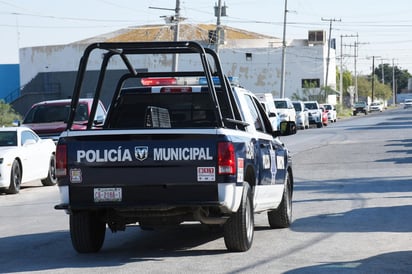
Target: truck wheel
(239,229)
(282,216)
(51,179)
(319,125)
(87,231)
(15,178)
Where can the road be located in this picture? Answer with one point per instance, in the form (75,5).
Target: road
(352,212)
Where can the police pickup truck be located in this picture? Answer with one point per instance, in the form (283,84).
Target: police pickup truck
(176,146)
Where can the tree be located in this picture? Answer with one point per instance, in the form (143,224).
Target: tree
(346,80)
(364,88)
(382,91)
(401,76)
(7,114)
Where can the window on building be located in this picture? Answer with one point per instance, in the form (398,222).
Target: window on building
(310,83)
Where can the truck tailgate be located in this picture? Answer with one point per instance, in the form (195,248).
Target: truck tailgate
(142,168)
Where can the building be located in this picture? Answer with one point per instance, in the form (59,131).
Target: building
(49,72)
(9,81)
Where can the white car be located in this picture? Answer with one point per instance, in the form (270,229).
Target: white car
(331,111)
(285,109)
(266,99)
(302,115)
(376,106)
(407,103)
(25,157)
(315,113)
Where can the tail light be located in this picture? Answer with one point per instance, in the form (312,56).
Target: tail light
(61,160)
(226,158)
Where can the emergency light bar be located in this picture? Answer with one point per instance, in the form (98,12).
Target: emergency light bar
(171,81)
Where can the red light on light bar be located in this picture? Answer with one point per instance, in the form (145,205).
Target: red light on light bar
(158,81)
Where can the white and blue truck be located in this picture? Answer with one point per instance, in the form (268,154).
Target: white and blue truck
(176,146)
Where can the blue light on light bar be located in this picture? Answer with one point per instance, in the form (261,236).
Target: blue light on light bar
(232,80)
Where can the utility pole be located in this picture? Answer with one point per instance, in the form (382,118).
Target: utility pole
(329,44)
(357,43)
(393,83)
(373,77)
(176,34)
(356,73)
(176,20)
(341,72)
(282,80)
(219,12)
(341,67)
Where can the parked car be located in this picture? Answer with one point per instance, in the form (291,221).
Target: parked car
(325,118)
(25,157)
(302,114)
(407,103)
(285,109)
(360,107)
(376,106)
(266,99)
(315,113)
(48,118)
(331,111)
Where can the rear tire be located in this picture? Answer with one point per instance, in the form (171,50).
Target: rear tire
(282,216)
(15,178)
(87,231)
(51,179)
(239,229)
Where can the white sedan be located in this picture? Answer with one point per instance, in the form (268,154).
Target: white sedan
(24,157)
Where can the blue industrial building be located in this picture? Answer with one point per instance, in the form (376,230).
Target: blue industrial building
(9,82)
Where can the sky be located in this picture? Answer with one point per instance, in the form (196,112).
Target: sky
(382,30)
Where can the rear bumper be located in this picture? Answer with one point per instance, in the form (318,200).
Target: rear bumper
(225,196)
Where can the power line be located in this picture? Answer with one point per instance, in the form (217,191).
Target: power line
(63,18)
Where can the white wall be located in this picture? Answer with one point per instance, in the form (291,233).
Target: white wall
(48,59)
(261,74)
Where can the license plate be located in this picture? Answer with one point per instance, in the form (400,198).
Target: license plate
(113,194)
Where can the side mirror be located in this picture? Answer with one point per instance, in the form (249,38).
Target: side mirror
(99,120)
(286,128)
(272,114)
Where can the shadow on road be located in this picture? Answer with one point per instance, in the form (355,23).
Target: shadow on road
(51,251)
(394,262)
(375,219)
(360,219)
